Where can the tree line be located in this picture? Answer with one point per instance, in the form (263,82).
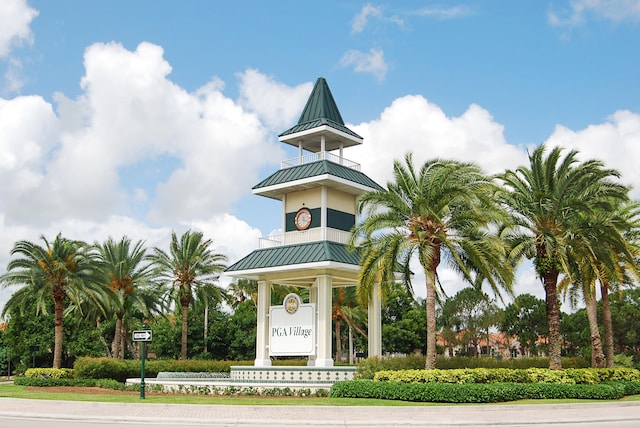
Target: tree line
(114,280)
(573,219)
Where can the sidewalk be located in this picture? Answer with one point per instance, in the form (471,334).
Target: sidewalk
(225,415)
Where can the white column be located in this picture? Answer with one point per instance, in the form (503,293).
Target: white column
(284,218)
(322,145)
(300,153)
(262,328)
(323,212)
(313,298)
(375,323)
(323,354)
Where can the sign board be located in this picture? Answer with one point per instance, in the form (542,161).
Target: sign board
(142,336)
(292,328)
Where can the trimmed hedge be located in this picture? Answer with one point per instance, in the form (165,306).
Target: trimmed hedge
(368,368)
(99,383)
(121,370)
(533,375)
(476,393)
(50,373)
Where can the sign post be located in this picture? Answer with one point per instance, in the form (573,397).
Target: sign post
(143,336)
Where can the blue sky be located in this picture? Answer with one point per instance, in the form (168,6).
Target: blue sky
(141,117)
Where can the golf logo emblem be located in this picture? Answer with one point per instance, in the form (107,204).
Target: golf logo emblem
(291,303)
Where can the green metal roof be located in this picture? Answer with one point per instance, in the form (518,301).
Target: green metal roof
(321,109)
(321,104)
(317,123)
(286,255)
(314,169)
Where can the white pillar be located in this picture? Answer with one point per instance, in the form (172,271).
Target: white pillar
(375,323)
(323,212)
(323,349)
(322,145)
(262,328)
(313,298)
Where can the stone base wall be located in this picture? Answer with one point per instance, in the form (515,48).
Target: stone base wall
(292,374)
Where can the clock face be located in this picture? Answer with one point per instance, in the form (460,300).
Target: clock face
(303,219)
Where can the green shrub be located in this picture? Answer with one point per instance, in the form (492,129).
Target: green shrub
(39,381)
(531,375)
(121,370)
(112,384)
(49,382)
(622,360)
(367,368)
(473,393)
(50,373)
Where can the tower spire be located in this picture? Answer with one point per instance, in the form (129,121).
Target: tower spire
(320,127)
(321,105)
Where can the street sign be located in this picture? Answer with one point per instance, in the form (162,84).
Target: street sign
(142,336)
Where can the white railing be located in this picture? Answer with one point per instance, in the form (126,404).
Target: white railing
(314,157)
(304,236)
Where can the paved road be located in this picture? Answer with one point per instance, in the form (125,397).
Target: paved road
(23,413)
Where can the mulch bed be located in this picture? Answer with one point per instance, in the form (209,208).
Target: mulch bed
(83,390)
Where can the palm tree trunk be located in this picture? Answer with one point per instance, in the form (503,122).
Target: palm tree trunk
(117,336)
(608,325)
(123,342)
(597,356)
(553,320)
(430,363)
(338,340)
(185,313)
(58,331)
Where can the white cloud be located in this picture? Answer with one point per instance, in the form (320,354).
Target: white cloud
(15,31)
(130,116)
(276,104)
(369,11)
(361,19)
(233,237)
(616,142)
(413,124)
(443,12)
(15,18)
(373,62)
(578,11)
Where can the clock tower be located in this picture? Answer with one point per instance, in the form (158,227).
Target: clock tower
(318,190)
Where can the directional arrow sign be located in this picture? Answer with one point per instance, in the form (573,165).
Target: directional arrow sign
(142,336)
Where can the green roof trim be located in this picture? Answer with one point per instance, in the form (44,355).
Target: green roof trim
(317,123)
(321,109)
(314,169)
(286,255)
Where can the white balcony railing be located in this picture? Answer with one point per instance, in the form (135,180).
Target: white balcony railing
(314,157)
(304,236)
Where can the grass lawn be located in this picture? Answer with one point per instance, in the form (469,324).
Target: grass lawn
(95,394)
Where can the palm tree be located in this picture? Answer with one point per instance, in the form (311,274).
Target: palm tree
(601,253)
(242,290)
(548,200)
(624,268)
(59,270)
(344,308)
(629,216)
(442,212)
(192,269)
(125,271)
